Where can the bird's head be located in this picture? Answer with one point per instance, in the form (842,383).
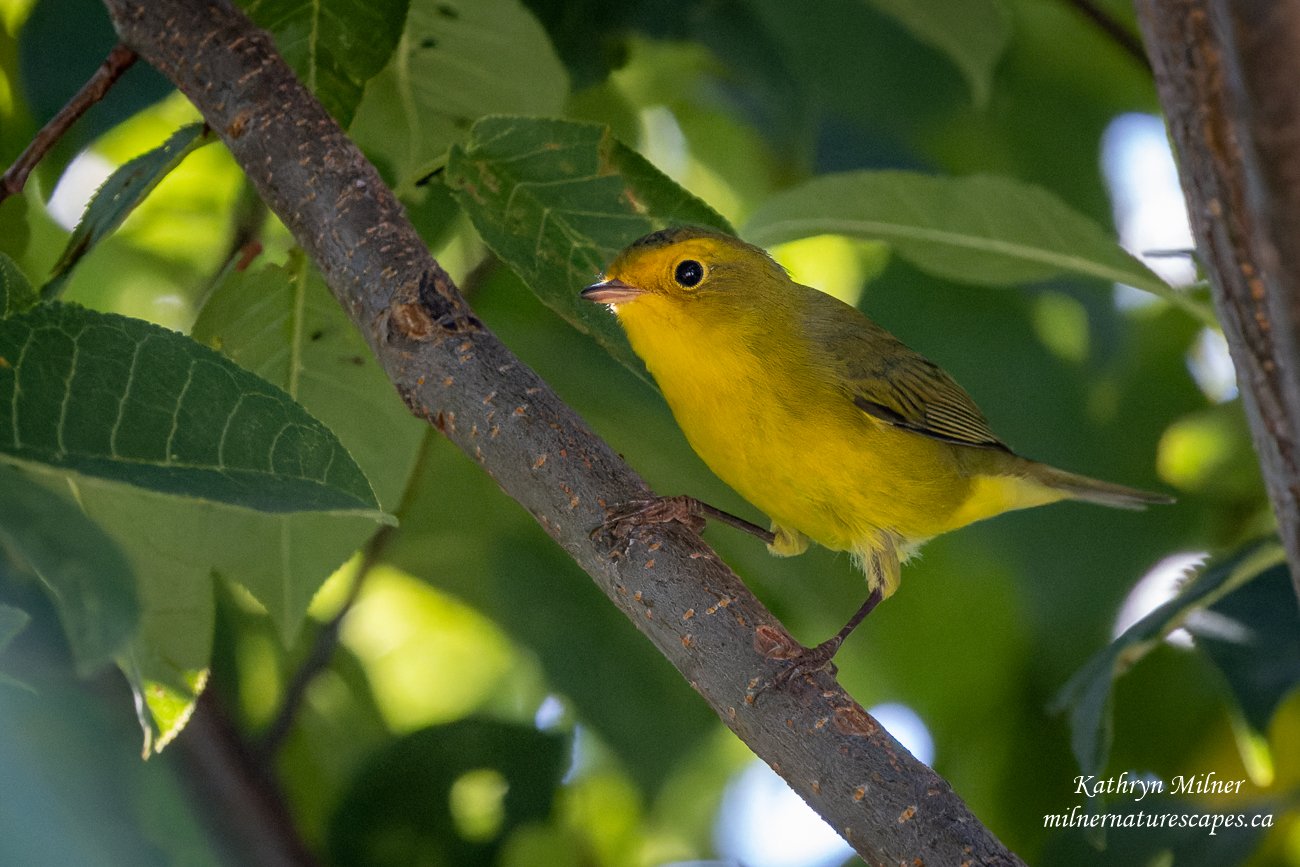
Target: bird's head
(688,268)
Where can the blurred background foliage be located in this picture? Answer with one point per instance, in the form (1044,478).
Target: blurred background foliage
(485,704)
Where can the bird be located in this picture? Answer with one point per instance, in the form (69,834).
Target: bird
(813,413)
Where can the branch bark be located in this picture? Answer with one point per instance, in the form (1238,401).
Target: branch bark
(1225,72)
(455,373)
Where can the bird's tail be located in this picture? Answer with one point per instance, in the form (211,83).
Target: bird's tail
(1090,490)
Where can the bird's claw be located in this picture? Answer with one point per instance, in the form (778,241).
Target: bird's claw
(622,519)
(810,660)
(796,659)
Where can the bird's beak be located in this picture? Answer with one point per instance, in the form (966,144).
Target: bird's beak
(611,292)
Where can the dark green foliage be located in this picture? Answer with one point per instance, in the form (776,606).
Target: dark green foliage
(118,398)
(400,809)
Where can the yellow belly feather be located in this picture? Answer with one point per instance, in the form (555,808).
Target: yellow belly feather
(843,479)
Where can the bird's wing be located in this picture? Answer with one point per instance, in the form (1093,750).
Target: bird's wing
(894,384)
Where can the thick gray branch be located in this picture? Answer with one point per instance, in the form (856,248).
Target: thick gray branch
(455,373)
(1226,74)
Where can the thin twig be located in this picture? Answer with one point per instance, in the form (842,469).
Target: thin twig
(119,60)
(327,639)
(247,225)
(322,651)
(1119,34)
(236,794)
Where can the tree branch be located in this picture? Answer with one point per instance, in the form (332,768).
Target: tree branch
(1226,74)
(455,373)
(119,60)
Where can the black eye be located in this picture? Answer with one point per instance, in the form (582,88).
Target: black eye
(689,273)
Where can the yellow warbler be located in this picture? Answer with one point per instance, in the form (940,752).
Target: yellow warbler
(815,414)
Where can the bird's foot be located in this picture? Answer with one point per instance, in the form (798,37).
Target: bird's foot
(796,659)
(622,519)
(800,660)
(811,659)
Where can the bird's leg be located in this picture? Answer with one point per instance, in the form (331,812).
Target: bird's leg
(812,659)
(880,561)
(683,509)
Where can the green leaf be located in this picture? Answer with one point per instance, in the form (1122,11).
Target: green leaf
(447,72)
(1253,636)
(124,190)
(981,229)
(973,33)
(16,293)
(335,46)
(90,582)
(12,621)
(176,547)
(402,806)
(68,751)
(557,200)
(283,324)
(104,395)
(1087,695)
(15,226)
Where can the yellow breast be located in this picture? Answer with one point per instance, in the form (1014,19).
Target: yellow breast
(787,442)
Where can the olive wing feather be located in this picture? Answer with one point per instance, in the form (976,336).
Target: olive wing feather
(894,384)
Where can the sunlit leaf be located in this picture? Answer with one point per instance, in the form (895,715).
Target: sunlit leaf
(556,200)
(104,395)
(400,623)
(16,294)
(1208,451)
(335,46)
(282,324)
(165,692)
(1087,696)
(980,229)
(124,190)
(414,801)
(973,33)
(447,72)
(91,584)
(177,546)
